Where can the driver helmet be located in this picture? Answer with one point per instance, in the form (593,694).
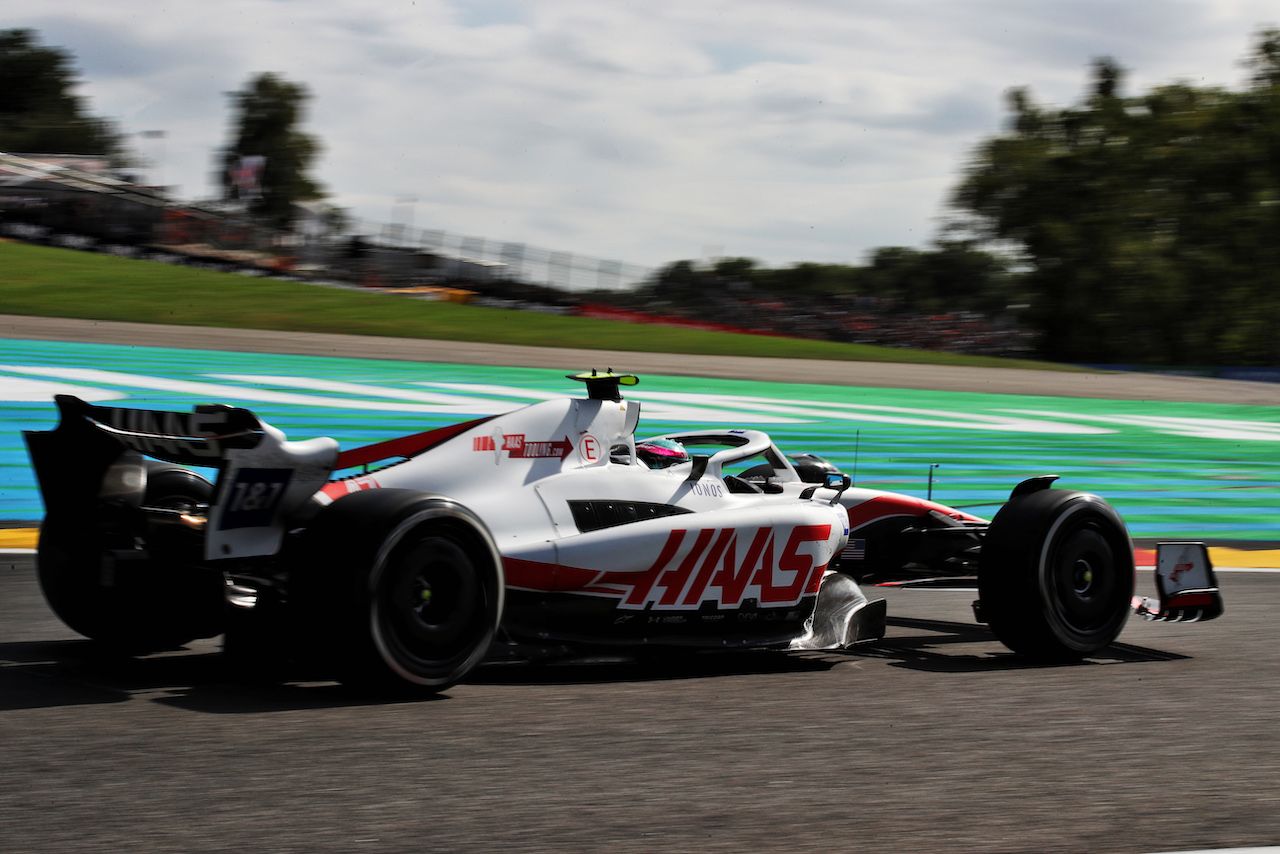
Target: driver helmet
(661,453)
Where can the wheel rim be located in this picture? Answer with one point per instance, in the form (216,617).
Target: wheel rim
(433,593)
(1082,577)
(430,610)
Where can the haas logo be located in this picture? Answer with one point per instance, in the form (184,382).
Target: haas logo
(719,567)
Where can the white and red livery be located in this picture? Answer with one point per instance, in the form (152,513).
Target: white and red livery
(410,561)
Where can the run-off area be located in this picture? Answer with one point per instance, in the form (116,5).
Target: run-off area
(1174,470)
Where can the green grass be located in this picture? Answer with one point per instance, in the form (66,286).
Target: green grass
(46,282)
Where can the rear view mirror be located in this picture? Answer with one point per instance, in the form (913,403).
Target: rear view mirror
(837,481)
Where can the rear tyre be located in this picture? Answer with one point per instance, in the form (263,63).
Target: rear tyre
(127,580)
(1055,577)
(397,589)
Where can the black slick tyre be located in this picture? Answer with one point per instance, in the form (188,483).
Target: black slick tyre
(1055,576)
(397,590)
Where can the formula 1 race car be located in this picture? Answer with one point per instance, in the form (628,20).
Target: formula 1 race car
(548,526)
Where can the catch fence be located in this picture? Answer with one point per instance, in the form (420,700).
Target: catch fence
(469,257)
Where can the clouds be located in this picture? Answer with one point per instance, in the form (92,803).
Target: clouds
(786,131)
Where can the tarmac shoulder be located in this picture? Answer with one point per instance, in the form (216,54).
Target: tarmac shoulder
(1089,384)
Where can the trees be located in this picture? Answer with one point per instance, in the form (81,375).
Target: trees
(954,276)
(38,111)
(267,161)
(1147,223)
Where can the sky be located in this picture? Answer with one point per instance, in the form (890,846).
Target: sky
(786,131)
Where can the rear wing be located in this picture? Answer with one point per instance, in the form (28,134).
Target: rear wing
(262,478)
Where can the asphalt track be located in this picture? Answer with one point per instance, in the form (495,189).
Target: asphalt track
(934,740)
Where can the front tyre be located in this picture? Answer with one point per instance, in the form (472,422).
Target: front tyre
(1055,577)
(399,589)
